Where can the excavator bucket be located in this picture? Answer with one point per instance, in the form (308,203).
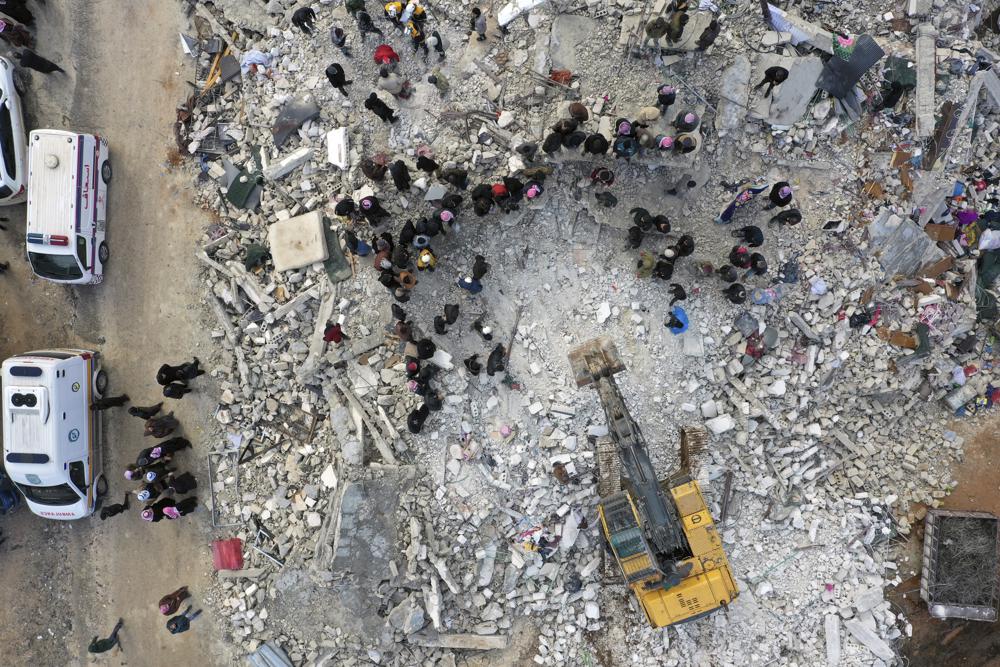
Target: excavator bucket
(694,441)
(595,359)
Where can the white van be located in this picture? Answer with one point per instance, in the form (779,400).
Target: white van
(68,176)
(51,437)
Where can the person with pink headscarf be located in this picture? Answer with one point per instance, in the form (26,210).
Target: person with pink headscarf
(686,121)
(780,195)
(171,602)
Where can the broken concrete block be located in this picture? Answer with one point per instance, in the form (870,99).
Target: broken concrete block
(831,627)
(463,642)
(603,312)
(872,641)
(512,10)
(734,94)
(926,68)
(801,30)
(338,148)
(329,477)
(721,424)
(287,164)
(297,242)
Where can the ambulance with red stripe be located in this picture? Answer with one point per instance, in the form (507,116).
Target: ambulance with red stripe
(68,176)
(52,439)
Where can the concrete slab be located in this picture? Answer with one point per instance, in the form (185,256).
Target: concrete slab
(901,245)
(802,31)
(568,32)
(924,96)
(365,541)
(788,102)
(734,96)
(297,242)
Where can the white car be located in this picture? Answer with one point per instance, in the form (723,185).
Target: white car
(13,147)
(52,439)
(68,175)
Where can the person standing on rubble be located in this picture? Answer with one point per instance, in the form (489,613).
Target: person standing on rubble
(479,23)
(739,257)
(338,79)
(365,23)
(415,420)
(304,18)
(339,39)
(736,293)
(417,38)
(780,195)
(675,27)
(752,234)
(773,76)
(709,35)
(655,30)
(677,293)
(385,55)
(496,362)
(665,96)
(439,81)
(392,10)
(596,144)
(438,43)
(380,109)
(389,81)
(686,121)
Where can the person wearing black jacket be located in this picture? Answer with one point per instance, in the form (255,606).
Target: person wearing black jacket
(337,78)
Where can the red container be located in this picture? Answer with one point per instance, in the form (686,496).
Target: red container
(227,554)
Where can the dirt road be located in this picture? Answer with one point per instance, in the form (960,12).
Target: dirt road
(65,582)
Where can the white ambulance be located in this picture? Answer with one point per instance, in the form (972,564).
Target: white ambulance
(68,176)
(52,444)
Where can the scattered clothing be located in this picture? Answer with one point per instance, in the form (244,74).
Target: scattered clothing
(335,334)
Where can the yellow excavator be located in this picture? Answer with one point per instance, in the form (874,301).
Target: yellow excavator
(660,532)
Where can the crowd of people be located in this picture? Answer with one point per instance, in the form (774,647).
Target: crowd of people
(160,485)
(400,257)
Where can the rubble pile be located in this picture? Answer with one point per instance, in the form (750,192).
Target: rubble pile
(828,394)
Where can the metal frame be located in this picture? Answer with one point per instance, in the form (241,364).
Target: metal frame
(928,572)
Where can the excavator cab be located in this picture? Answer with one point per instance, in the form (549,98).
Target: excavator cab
(660,532)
